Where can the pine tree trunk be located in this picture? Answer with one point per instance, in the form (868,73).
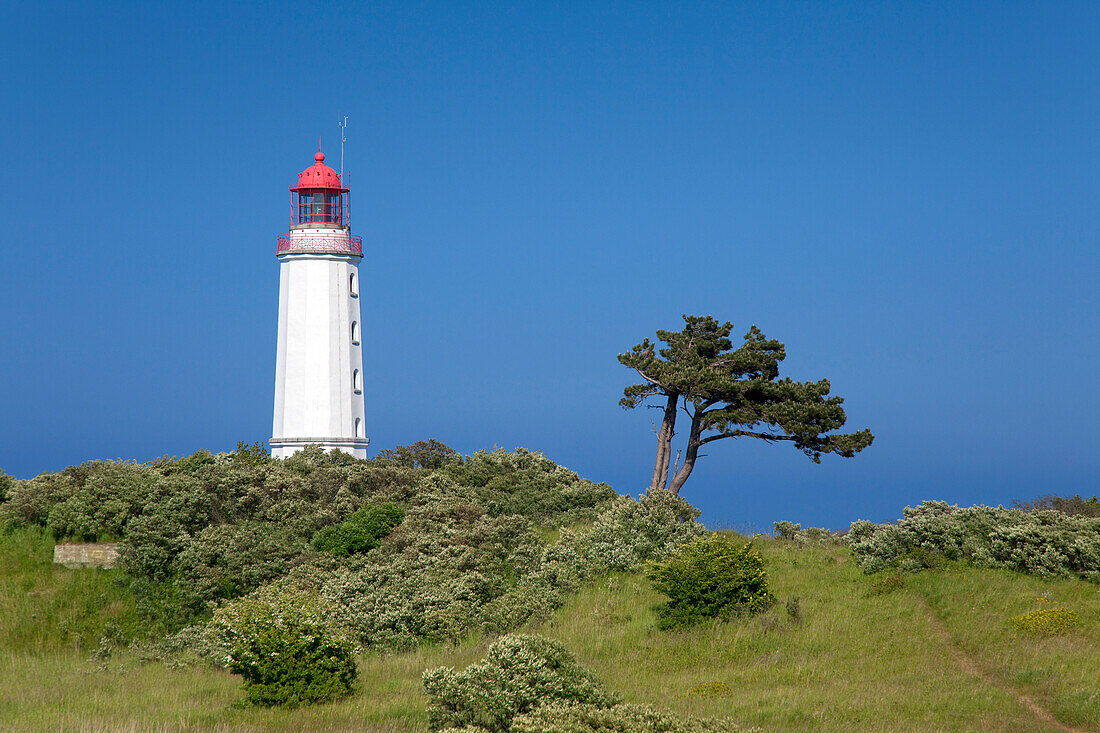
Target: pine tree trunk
(690,454)
(664,444)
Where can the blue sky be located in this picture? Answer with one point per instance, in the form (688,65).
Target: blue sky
(904,193)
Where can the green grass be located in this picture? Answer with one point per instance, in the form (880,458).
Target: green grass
(935,652)
(46,607)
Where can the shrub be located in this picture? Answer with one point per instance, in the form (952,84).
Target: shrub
(625,535)
(1073,505)
(230,560)
(794,609)
(581,718)
(787,530)
(360,532)
(809,536)
(429,454)
(921,557)
(286,649)
(89,502)
(713,577)
(466,557)
(434,576)
(250,455)
(630,533)
(1048,621)
(519,672)
(1044,543)
(452,567)
(528,483)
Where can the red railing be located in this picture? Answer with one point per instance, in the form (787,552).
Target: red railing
(339,243)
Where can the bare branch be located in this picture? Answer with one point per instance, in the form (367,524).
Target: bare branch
(769,437)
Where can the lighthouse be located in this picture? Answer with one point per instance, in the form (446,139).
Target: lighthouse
(319,361)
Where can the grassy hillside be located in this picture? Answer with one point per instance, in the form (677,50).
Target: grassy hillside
(937,653)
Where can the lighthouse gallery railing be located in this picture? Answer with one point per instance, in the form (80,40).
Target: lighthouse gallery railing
(321,243)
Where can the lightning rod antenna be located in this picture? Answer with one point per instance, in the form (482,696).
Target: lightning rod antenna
(343,139)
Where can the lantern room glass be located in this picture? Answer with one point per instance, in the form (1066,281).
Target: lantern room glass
(320,207)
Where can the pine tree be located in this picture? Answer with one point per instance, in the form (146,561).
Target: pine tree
(731,393)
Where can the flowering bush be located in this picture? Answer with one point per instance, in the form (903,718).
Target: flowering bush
(519,672)
(629,533)
(286,648)
(712,577)
(1045,543)
(581,718)
(530,684)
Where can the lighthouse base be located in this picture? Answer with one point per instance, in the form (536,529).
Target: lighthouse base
(286,447)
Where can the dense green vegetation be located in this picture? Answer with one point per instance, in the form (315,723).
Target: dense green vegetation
(361,531)
(1045,542)
(713,577)
(461,550)
(287,650)
(222,580)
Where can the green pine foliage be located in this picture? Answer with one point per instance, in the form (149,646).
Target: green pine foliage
(360,532)
(731,392)
(714,577)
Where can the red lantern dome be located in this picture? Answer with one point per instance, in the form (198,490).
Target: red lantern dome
(319,176)
(320,198)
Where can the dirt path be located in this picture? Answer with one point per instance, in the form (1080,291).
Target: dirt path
(971,666)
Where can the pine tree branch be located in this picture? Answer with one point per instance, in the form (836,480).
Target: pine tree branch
(770,437)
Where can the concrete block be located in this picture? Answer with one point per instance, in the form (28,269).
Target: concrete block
(86,554)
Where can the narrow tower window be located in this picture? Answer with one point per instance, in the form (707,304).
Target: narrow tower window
(353,285)
(356,382)
(354,332)
(358,428)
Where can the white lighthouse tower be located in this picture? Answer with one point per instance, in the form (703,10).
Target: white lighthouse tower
(319,367)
